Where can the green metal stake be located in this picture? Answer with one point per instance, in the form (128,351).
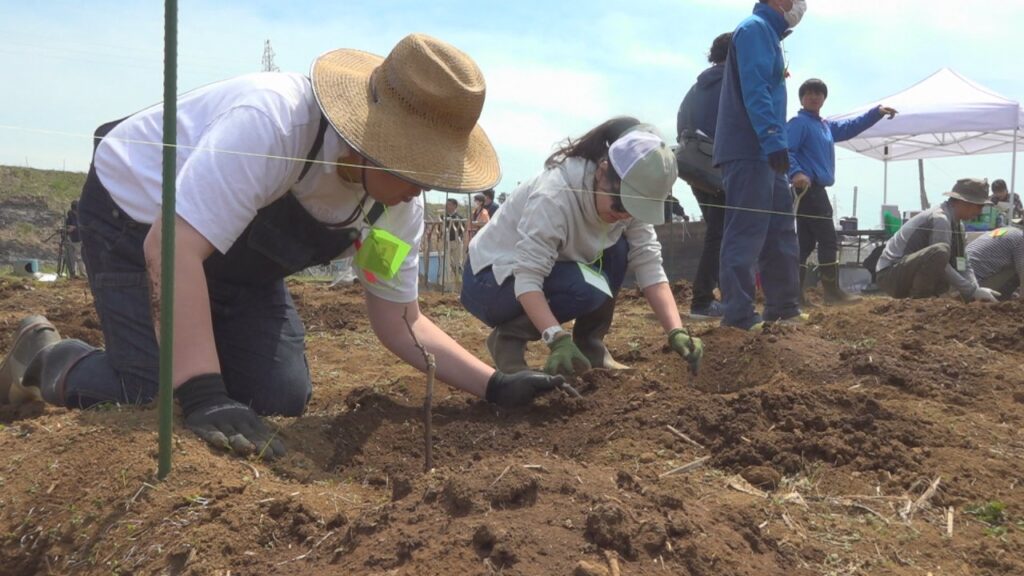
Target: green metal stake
(167,237)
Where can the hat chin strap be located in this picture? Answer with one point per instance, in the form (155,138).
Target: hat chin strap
(345,170)
(373,85)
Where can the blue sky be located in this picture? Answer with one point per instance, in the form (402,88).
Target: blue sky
(553,69)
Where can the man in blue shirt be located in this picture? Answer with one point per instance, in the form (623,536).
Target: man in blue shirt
(812,168)
(750,147)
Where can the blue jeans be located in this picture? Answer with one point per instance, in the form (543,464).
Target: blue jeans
(258,334)
(567,293)
(760,231)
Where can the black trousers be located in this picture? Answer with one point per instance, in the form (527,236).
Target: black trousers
(713,210)
(815,227)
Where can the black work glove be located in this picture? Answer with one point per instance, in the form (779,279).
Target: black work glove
(223,422)
(779,161)
(519,389)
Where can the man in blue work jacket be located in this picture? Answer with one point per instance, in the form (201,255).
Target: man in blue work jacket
(750,147)
(812,169)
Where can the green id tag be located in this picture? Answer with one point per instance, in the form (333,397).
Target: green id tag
(961,264)
(595,279)
(382,253)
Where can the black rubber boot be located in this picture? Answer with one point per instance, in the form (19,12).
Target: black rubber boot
(804,302)
(588,333)
(507,344)
(44,377)
(834,294)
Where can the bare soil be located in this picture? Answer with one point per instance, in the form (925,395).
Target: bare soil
(822,442)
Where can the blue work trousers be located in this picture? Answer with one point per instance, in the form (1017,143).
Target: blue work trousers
(567,293)
(760,233)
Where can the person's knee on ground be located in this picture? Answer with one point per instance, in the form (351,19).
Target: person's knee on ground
(286,391)
(929,278)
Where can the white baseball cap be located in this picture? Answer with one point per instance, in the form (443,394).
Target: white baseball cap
(648,170)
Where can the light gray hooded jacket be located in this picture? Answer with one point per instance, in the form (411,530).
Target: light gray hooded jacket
(552,218)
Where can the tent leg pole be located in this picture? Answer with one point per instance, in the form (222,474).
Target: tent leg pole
(1013,174)
(885,188)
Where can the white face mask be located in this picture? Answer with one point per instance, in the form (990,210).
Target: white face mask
(794,16)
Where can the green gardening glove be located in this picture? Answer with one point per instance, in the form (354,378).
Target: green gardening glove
(565,358)
(690,348)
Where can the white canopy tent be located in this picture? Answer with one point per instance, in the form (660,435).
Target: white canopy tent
(943,115)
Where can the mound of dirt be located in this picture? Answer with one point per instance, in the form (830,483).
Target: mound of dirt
(804,450)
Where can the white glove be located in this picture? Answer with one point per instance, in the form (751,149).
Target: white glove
(986,295)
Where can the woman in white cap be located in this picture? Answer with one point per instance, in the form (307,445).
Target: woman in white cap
(559,247)
(275,173)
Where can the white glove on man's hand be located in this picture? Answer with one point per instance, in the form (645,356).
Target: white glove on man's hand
(986,295)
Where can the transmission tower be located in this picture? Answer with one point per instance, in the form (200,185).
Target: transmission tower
(268,58)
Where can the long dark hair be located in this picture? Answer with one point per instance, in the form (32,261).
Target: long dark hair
(593,145)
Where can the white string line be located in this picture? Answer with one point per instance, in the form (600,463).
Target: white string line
(400,171)
(744,209)
(102,49)
(138,62)
(218,150)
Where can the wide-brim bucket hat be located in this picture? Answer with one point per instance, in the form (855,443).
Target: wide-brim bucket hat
(972,190)
(414,113)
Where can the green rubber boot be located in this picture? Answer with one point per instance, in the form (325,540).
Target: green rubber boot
(507,344)
(588,333)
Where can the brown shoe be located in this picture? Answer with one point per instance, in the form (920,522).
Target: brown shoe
(34,334)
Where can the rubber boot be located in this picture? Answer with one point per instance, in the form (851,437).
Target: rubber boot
(588,334)
(834,294)
(804,302)
(44,378)
(507,344)
(35,333)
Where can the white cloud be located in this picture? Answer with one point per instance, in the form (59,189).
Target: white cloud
(563,92)
(659,58)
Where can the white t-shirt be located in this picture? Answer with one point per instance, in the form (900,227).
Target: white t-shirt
(242,144)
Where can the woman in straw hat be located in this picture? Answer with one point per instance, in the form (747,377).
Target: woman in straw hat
(275,173)
(559,247)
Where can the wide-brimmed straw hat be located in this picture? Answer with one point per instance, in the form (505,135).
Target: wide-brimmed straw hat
(413,113)
(973,190)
